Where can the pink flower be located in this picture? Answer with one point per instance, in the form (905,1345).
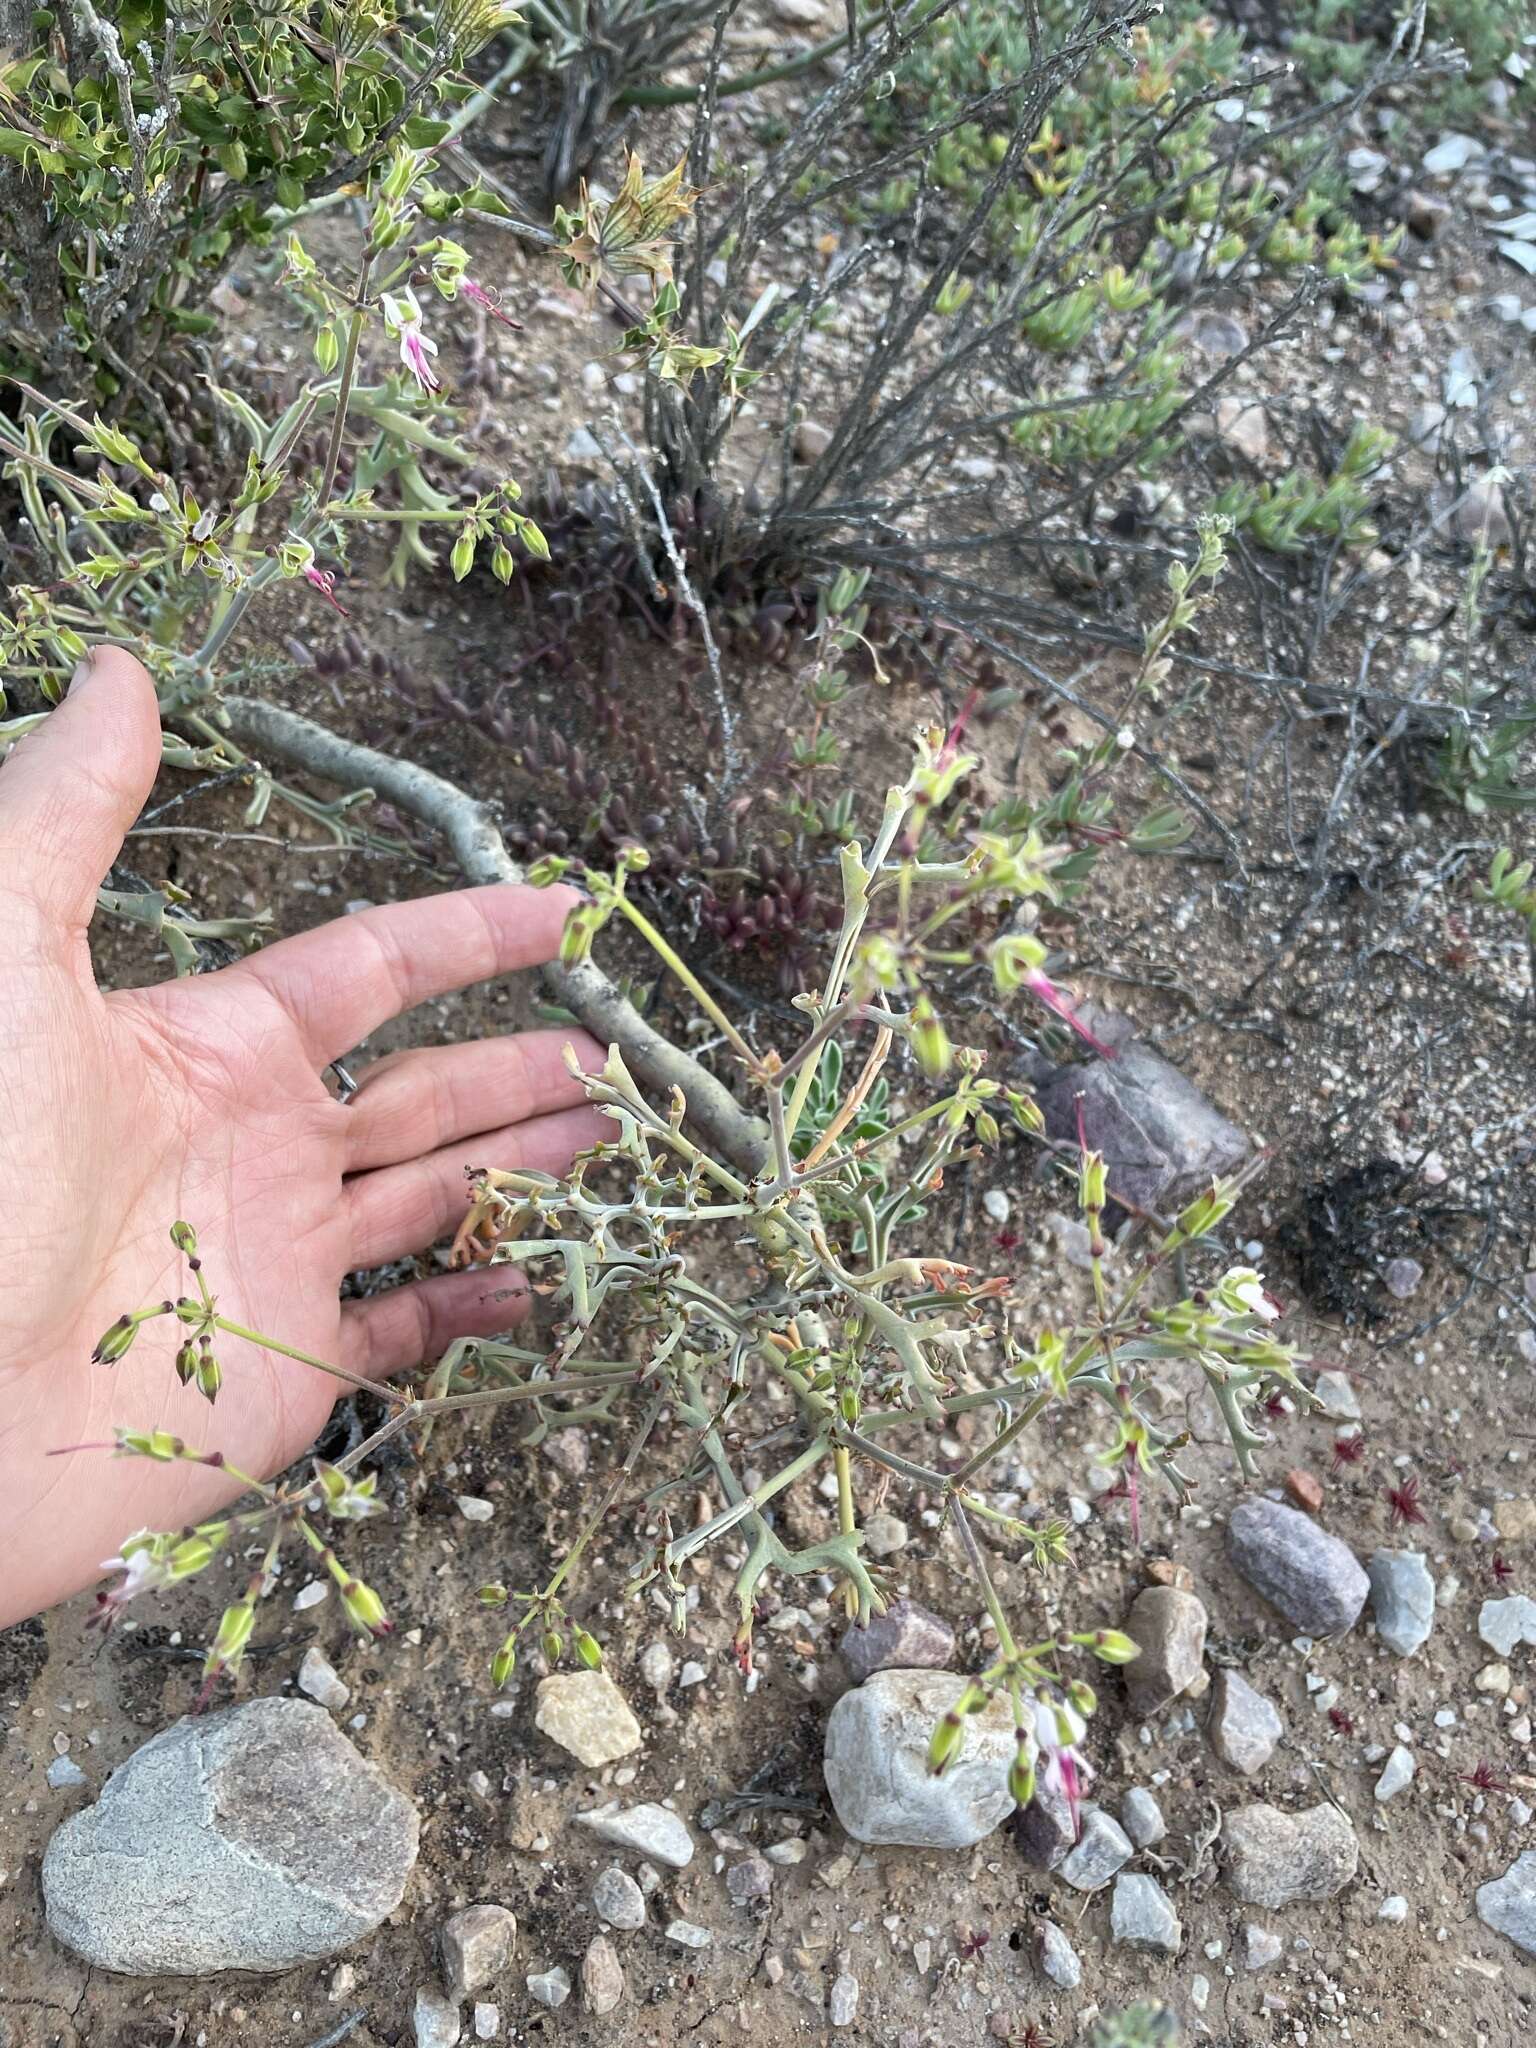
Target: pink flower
(324,580)
(481,297)
(1044,990)
(402,319)
(1058,1731)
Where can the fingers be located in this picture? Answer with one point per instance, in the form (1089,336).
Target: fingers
(72,788)
(343,980)
(393,1332)
(400,1209)
(415,1102)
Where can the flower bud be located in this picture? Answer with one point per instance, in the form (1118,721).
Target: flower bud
(502,564)
(328,347)
(184,1237)
(228,1645)
(504,1663)
(116,1342)
(365,1609)
(1083,1696)
(554,1645)
(945,1741)
(1021,1777)
(187,1362)
(930,1041)
(588,1649)
(462,560)
(492,1595)
(210,1376)
(1114,1646)
(547,870)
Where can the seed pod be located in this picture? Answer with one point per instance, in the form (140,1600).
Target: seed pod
(554,1645)
(588,1649)
(116,1342)
(504,1663)
(1113,1646)
(945,1741)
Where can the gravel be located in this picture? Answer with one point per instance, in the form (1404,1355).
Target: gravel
(1058,1958)
(318,1678)
(876,1763)
(1244,1726)
(884,1535)
(649,1830)
(1141,1915)
(1261,1949)
(1142,1817)
(752,1879)
(688,1934)
(477,1945)
(1402,1600)
(550,1987)
(1505,1624)
(65,1775)
(1508,1904)
(1168,1626)
(905,1638)
(843,2001)
(585,1712)
(1276,1859)
(436,2019)
(602,1977)
(1397,1774)
(1311,1577)
(290,1843)
(1101,1849)
(617,1899)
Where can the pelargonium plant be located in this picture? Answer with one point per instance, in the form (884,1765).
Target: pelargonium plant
(875,1342)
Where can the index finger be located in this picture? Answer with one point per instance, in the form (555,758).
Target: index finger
(341,981)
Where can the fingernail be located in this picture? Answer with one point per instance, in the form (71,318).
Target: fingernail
(82,672)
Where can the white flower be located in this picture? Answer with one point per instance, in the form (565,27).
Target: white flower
(1245,1290)
(402,321)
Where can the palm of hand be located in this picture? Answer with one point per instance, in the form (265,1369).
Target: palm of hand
(203,1100)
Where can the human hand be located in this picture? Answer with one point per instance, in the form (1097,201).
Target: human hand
(202,1099)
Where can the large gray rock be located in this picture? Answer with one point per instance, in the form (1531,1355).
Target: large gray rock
(1314,1579)
(1244,1726)
(254,1839)
(905,1638)
(877,1771)
(1162,1140)
(1402,1600)
(1168,1627)
(1508,1904)
(1276,1859)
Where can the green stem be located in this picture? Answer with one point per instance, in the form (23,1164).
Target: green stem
(748,81)
(382,1388)
(687,977)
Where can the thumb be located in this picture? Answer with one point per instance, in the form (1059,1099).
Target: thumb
(72,788)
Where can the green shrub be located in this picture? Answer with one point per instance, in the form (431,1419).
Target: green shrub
(140,147)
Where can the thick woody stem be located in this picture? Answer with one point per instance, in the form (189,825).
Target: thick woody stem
(474,837)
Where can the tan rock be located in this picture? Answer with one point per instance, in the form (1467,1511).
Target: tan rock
(1515,1520)
(585,1712)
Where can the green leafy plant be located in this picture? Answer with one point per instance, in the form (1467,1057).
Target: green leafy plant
(132,555)
(140,147)
(1298,510)
(1508,887)
(861,1349)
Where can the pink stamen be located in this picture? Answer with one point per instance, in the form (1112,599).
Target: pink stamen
(416,361)
(481,297)
(1044,990)
(324,580)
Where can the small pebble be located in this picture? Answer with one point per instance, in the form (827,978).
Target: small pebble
(687,1934)
(436,2020)
(318,1678)
(487,2021)
(844,2001)
(550,1987)
(617,1899)
(473,1509)
(1393,1909)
